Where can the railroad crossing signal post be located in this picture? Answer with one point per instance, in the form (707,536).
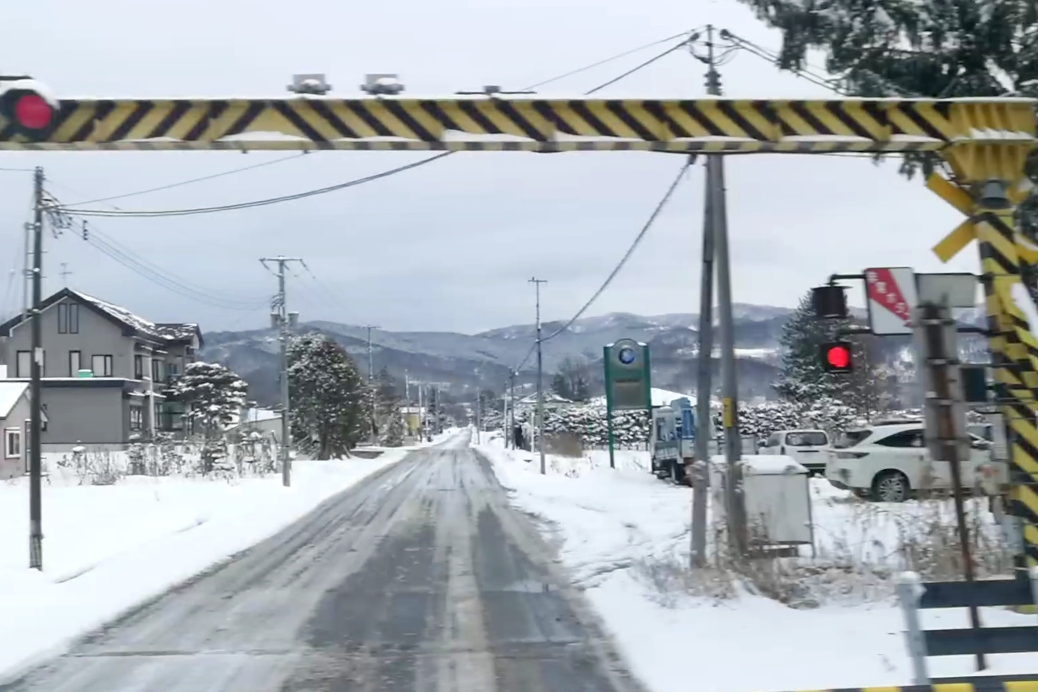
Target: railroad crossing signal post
(628,382)
(945,417)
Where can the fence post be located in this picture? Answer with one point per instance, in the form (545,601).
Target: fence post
(909,590)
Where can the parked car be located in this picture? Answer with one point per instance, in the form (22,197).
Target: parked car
(808,447)
(890,463)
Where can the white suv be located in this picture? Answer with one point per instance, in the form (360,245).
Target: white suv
(890,462)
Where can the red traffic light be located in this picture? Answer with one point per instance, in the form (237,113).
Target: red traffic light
(836,357)
(27,108)
(32,112)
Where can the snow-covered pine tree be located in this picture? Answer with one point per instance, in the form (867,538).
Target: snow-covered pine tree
(801,375)
(387,405)
(923,48)
(394,431)
(213,395)
(327,395)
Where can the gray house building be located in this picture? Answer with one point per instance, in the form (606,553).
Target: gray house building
(14,419)
(104,371)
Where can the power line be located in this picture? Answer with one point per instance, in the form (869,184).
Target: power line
(609,60)
(174,286)
(645,64)
(192,180)
(16,170)
(143,267)
(255,203)
(623,261)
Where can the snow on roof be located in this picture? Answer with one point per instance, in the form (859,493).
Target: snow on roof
(10,392)
(660,397)
(165,331)
(175,331)
(122,314)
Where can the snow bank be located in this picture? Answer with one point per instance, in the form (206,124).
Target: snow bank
(625,540)
(108,548)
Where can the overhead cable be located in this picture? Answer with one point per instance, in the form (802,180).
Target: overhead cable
(571,73)
(191,181)
(256,203)
(620,265)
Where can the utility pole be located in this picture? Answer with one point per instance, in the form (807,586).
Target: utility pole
(371,384)
(479,401)
(371,359)
(65,273)
(283,320)
(715,253)
(511,407)
(35,417)
(540,386)
(27,262)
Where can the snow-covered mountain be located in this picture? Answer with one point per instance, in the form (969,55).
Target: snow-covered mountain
(463,361)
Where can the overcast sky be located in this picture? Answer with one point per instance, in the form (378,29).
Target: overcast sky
(452,245)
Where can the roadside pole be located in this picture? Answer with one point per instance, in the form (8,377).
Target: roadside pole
(35,387)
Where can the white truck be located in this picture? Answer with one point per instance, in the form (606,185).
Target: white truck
(672,440)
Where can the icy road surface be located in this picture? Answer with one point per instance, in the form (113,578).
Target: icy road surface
(419,578)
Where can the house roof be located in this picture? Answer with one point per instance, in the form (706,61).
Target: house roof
(168,332)
(10,393)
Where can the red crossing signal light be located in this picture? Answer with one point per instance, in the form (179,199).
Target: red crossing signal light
(836,357)
(28,109)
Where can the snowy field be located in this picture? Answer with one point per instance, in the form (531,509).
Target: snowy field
(624,536)
(108,548)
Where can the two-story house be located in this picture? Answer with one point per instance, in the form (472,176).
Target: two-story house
(104,370)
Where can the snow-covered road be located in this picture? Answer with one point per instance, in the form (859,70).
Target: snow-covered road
(623,535)
(421,577)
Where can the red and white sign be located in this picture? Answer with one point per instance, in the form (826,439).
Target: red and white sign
(892,296)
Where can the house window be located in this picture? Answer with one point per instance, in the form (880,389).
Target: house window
(24,364)
(12,443)
(138,367)
(68,318)
(101,366)
(136,418)
(156,370)
(75,363)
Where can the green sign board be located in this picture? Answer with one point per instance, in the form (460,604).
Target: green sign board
(627,380)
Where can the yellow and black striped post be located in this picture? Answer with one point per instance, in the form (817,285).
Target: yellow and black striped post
(1012,346)
(989,181)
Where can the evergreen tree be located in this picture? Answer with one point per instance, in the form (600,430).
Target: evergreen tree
(923,48)
(822,395)
(802,378)
(394,431)
(387,407)
(328,396)
(214,396)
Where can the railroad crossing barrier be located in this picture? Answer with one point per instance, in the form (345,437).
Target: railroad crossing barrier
(914,596)
(978,684)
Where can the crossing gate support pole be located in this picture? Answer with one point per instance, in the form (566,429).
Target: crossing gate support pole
(989,183)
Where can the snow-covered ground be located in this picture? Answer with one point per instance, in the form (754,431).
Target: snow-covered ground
(624,536)
(108,548)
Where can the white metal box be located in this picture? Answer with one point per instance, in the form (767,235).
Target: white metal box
(777,495)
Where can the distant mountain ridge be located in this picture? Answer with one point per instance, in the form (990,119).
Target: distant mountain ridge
(461,362)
